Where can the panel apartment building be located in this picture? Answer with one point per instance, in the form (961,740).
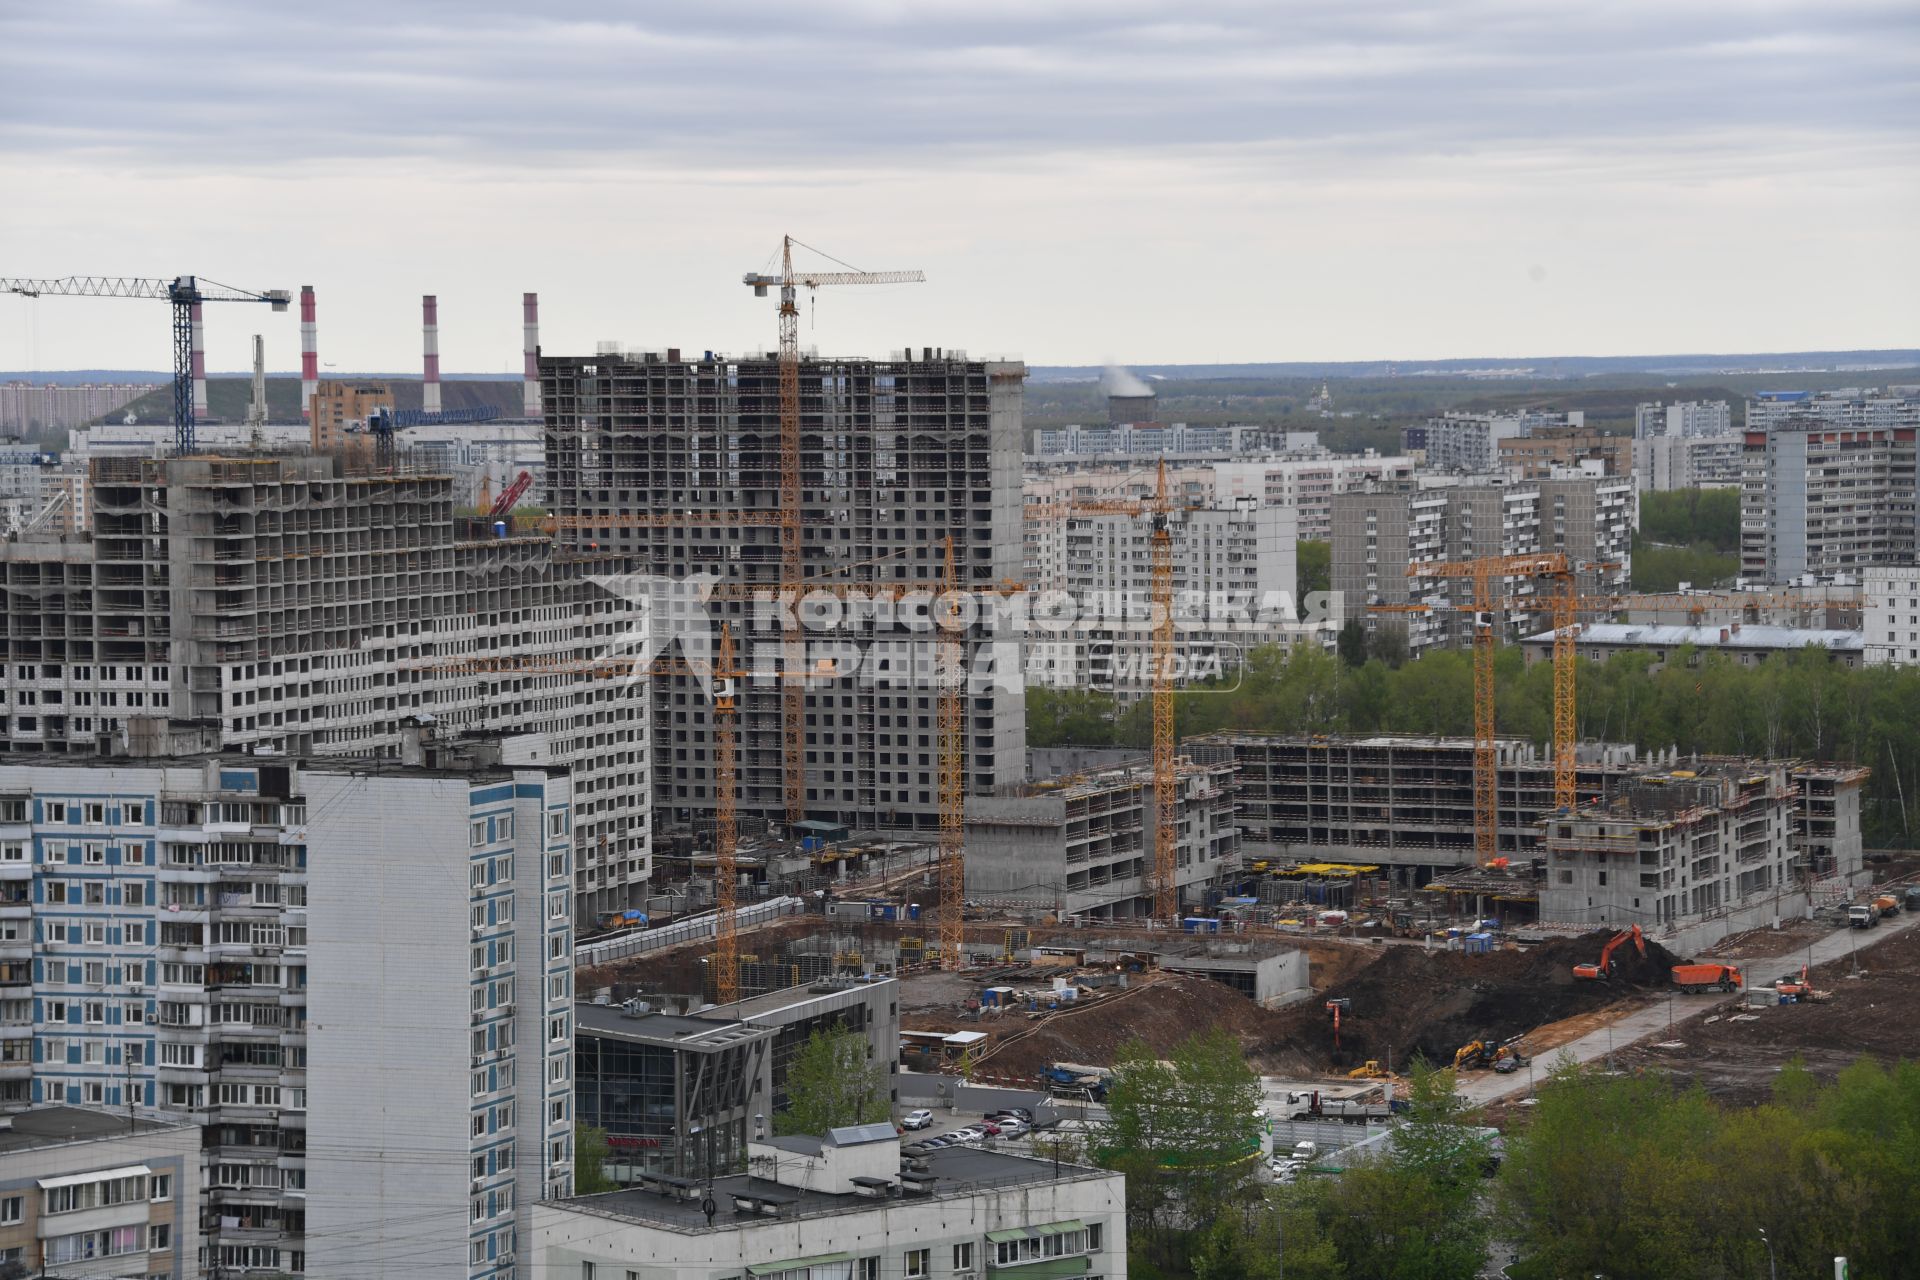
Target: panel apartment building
(311,606)
(1682,419)
(1822,498)
(1470,442)
(1234,590)
(897,456)
(1378,535)
(354,976)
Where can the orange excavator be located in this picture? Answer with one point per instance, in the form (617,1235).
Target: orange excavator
(1605,968)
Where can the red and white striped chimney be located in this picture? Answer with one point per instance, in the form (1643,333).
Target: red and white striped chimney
(200,411)
(430,338)
(309,354)
(530,388)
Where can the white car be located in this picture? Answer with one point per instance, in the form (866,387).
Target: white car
(971,1135)
(1305,1151)
(1013,1127)
(916,1119)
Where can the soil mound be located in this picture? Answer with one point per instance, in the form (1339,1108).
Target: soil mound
(1432,1002)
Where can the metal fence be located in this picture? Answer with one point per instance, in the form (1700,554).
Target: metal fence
(692,929)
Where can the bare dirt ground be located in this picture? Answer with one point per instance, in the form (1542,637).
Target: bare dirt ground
(1734,1052)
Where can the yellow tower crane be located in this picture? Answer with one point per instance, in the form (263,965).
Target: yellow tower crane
(1483,570)
(953,769)
(793,693)
(1163,871)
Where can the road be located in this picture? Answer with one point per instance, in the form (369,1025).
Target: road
(1482,1087)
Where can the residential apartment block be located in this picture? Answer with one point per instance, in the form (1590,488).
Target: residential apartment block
(1307,485)
(1378,536)
(898,456)
(1662,463)
(1470,442)
(309,605)
(1744,643)
(1890,609)
(1824,499)
(1155,440)
(1682,419)
(844,1206)
(1545,452)
(1234,591)
(25,406)
(215,940)
(1085,846)
(338,406)
(1870,408)
(86,1192)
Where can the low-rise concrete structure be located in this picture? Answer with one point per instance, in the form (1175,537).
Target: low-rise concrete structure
(87,1193)
(1747,645)
(678,1094)
(846,1206)
(1085,846)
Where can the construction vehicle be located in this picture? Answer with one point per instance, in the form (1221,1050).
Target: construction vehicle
(1071,1079)
(1863,915)
(1704,977)
(1507,1056)
(1604,969)
(1336,1008)
(1795,985)
(1470,1055)
(1312,1106)
(1888,904)
(1368,1070)
(510,496)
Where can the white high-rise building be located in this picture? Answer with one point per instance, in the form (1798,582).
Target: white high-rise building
(1470,442)
(356,977)
(1682,419)
(1869,407)
(1890,614)
(1661,463)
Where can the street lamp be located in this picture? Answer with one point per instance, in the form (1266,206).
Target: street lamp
(1771,1273)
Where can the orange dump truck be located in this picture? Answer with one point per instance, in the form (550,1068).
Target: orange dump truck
(1703,977)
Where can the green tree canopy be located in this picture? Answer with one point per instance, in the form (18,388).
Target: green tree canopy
(831,1082)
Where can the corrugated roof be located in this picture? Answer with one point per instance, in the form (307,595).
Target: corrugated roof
(1749,636)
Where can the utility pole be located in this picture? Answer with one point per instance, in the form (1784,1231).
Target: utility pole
(1772,1274)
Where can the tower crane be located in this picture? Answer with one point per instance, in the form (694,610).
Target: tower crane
(1483,570)
(726,985)
(186,294)
(953,770)
(1159,510)
(793,696)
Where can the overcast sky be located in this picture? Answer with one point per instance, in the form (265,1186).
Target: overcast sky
(1081,181)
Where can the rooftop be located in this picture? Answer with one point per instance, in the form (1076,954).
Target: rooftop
(1743,637)
(58,1126)
(952,1172)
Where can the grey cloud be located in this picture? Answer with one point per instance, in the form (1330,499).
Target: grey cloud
(220,84)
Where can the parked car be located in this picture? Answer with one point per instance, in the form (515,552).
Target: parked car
(970,1135)
(917,1119)
(1304,1151)
(934,1144)
(1014,1127)
(991,1127)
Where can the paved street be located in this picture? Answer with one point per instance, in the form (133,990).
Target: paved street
(1486,1086)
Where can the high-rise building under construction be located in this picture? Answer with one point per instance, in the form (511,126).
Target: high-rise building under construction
(676,464)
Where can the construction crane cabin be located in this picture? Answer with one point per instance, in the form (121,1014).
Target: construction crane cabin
(186,294)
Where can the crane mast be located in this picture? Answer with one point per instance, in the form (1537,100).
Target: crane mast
(1166,781)
(726,983)
(953,764)
(792,508)
(186,294)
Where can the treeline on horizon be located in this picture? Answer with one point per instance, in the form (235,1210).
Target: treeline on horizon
(1798,705)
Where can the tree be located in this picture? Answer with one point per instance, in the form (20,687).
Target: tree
(830,1083)
(1353,642)
(1312,570)
(1184,1132)
(590,1152)
(1416,1212)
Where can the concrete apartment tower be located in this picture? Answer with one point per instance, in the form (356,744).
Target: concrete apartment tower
(347,973)
(897,455)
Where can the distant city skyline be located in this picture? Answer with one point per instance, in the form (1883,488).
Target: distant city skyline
(1082,182)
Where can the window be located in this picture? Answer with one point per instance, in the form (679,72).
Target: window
(159,1236)
(479,835)
(162,1187)
(917,1261)
(10,1209)
(963,1256)
(586,1271)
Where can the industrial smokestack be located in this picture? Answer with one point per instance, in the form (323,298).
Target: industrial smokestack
(430,337)
(530,388)
(200,411)
(309,355)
